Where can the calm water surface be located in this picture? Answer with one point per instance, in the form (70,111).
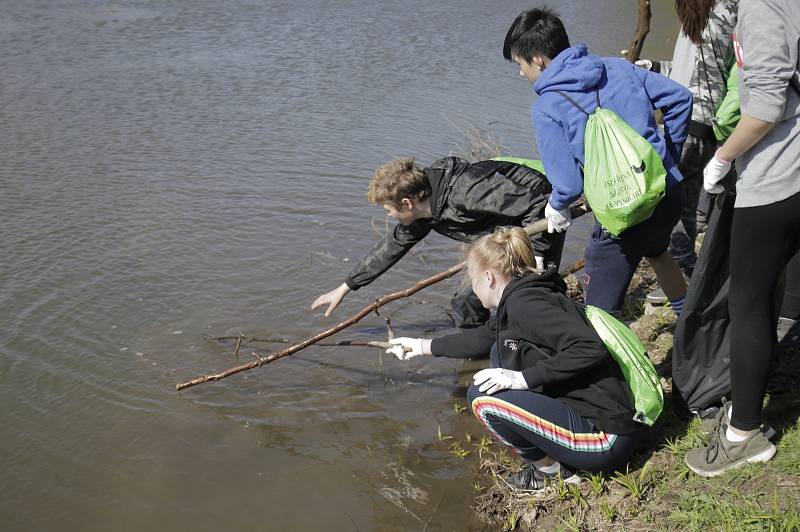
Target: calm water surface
(173,169)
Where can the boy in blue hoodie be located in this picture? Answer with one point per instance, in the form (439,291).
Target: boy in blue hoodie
(538,43)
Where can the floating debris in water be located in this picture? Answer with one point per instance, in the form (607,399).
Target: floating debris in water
(177,332)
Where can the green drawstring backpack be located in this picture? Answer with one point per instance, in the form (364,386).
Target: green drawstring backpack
(623,175)
(533,164)
(728,113)
(630,354)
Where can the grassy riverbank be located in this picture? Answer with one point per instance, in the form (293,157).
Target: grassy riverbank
(658,492)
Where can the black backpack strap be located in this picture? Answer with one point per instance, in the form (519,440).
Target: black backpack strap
(573,102)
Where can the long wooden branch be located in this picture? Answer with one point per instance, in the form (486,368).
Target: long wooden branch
(642,29)
(537,227)
(419,285)
(243,340)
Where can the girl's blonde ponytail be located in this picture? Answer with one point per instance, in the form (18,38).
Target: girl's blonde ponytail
(507,250)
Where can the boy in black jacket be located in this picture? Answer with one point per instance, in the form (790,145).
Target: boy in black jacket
(553,392)
(456,199)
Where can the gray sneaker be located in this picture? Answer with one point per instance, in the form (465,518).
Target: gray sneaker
(709,425)
(721,455)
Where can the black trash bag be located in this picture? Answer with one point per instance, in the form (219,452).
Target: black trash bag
(701,345)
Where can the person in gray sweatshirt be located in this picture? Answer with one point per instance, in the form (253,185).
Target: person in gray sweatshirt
(765,234)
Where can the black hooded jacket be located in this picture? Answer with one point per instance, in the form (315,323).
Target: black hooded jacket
(467,201)
(546,336)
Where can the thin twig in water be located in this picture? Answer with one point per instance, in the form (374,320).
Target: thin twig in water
(238,344)
(435,511)
(247,339)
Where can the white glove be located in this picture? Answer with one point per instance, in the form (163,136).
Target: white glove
(413,348)
(714,172)
(557,219)
(644,63)
(491,380)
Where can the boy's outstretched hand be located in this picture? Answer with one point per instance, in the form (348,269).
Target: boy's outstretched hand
(332,299)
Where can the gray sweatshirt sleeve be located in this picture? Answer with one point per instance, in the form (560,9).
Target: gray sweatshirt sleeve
(769,52)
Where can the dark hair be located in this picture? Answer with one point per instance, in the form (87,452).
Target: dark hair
(535,32)
(694,15)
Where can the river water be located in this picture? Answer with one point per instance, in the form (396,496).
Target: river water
(170,170)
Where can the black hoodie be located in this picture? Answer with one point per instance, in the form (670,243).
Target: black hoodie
(542,333)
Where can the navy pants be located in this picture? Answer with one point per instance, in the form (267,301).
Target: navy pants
(535,425)
(612,260)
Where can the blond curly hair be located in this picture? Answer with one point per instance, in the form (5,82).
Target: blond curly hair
(398,179)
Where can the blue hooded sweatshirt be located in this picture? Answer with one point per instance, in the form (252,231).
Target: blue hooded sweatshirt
(629,91)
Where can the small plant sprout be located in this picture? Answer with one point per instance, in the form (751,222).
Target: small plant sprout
(483,445)
(572,522)
(457,450)
(502,458)
(577,495)
(511,521)
(457,408)
(439,435)
(562,491)
(674,446)
(608,510)
(635,484)
(597,482)
(683,472)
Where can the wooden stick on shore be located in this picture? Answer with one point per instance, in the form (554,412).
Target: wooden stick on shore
(537,227)
(642,29)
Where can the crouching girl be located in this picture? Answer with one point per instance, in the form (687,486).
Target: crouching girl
(553,393)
